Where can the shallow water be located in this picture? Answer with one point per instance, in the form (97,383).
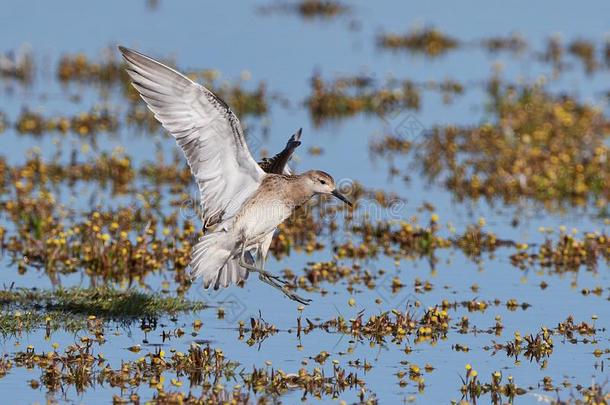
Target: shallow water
(284,51)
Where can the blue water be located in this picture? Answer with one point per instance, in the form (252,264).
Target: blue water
(284,51)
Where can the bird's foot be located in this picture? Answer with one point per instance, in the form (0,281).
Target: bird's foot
(275,280)
(280,284)
(295,297)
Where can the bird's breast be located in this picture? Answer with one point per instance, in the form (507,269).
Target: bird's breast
(261,216)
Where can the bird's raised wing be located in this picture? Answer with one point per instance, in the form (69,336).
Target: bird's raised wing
(206,129)
(278,164)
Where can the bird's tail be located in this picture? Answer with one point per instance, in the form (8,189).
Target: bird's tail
(213,259)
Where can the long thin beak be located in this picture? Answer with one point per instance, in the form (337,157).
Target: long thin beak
(342,197)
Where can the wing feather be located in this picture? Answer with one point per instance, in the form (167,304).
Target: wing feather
(278,164)
(206,130)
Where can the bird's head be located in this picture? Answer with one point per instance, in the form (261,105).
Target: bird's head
(320,182)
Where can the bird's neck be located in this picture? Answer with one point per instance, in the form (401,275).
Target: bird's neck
(296,193)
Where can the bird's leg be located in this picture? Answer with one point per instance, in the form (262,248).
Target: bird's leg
(269,278)
(261,258)
(282,287)
(260,271)
(274,282)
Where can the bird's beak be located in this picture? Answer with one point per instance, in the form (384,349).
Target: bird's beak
(342,197)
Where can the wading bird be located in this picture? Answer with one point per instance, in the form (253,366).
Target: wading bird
(241,203)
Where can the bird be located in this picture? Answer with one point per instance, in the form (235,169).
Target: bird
(241,204)
(278,164)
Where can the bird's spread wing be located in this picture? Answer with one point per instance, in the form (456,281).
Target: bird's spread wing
(206,129)
(278,164)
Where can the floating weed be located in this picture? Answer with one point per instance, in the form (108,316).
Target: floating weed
(567,253)
(110,71)
(79,68)
(585,51)
(3,122)
(389,145)
(17,65)
(17,322)
(204,366)
(114,169)
(316,383)
(597,290)
(402,240)
(259,330)
(84,124)
(332,272)
(514,43)
(476,305)
(351,96)
(547,148)
(209,395)
(308,9)
(475,241)
(473,389)
(568,328)
(415,374)
(428,41)
(78,366)
(360,364)
(533,347)
(99,244)
(5,365)
(595,394)
(432,42)
(208,368)
(430,326)
(103,301)
(127,244)
(554,53)
(407,240)
(540,346)
(321,8)
(72,368)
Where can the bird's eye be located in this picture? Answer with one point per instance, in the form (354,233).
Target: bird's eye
(322,181)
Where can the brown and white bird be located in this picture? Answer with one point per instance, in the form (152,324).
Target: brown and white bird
(242,202)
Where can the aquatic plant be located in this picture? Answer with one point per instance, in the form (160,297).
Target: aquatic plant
(308,9)
(429,41)
(472,388)
(101,301)
(538,146)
